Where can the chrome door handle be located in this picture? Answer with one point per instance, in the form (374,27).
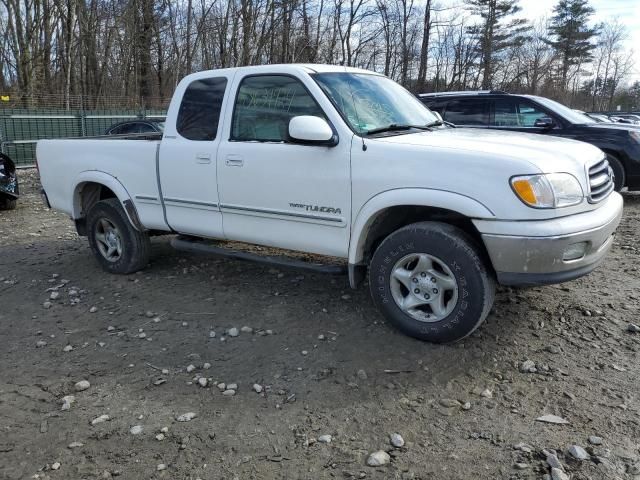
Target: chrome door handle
(234,160)
(203,158)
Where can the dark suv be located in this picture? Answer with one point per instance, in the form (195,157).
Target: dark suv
(528,113)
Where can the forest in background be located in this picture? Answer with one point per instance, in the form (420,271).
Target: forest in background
(139,49)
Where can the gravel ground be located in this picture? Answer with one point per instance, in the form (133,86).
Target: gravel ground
(321,381)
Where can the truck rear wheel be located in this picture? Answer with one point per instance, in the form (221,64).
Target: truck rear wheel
(430,281)
(118,246)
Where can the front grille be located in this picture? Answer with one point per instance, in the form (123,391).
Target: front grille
(600,181)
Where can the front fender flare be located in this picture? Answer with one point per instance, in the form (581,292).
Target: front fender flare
(424,197)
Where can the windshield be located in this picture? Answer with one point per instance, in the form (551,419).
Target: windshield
(565,112)
(369,102)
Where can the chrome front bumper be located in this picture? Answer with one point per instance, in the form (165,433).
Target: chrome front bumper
(534,253)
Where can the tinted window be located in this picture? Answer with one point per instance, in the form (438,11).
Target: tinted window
(435,105)
(266,103)
(472,111)
(200,109)
(516,113)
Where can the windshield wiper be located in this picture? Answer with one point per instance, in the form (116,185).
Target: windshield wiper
(395,127)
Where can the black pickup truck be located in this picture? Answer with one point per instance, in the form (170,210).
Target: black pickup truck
(532,114)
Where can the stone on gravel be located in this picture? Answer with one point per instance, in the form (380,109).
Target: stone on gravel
(232,386)
(186,417)
(633,328)
(579,453)
(191,368)
(81,385)
(136,430)
(552,419)
(160,437)
(520,466)
(552,460)
(528,366)
(594,440)
(557,474)
(396,440)
(161,466)
(55,466)
(93,309)
(229,393)
(202,382)
(212,334)
(523,447)
(67,401)
(486,393)
(246,329)
(233,332)
(325,438)
(257,388)
(54,296)
(41,343)
(379,458)
(67,348)
(101,419)
(73,445)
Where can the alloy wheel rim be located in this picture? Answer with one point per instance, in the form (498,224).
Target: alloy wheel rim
(424,287)
(108,240)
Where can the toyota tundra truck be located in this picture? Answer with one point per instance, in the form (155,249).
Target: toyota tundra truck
(345,164)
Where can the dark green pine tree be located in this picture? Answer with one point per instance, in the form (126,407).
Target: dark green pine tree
(496,32)
(571,35)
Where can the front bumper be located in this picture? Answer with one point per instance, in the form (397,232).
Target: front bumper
(533,253)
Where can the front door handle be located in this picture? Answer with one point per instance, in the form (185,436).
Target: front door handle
(234,161)
(203,158)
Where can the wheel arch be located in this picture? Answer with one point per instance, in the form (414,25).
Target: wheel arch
(94,186)
(391,210)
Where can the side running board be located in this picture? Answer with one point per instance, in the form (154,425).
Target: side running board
(188,244)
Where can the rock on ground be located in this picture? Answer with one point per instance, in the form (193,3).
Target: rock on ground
(379,458)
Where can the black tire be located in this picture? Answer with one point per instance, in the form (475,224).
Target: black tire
(8,203)
(134,245)
(619,175)
(459,253)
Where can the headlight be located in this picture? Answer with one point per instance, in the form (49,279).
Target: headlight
(550,190)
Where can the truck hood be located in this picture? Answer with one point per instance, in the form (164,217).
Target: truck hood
(545,153)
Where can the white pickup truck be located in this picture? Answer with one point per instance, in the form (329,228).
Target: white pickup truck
(342,162)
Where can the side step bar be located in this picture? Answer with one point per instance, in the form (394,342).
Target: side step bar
(188,244)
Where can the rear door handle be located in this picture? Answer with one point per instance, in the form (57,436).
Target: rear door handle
(203,158)
(234,160)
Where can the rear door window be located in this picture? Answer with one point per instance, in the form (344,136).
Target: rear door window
(199,112)
(468,112)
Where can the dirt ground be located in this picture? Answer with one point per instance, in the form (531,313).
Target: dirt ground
(325,360)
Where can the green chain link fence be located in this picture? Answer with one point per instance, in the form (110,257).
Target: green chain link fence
(21,128)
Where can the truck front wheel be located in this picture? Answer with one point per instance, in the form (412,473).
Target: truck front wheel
(430,281)
(118,246)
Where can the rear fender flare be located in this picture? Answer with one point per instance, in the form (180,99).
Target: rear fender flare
(113,184)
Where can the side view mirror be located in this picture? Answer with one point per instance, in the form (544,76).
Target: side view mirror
(544,122)
(438,116)
(310,130)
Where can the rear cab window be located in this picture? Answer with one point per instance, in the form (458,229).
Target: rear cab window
(199,112)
